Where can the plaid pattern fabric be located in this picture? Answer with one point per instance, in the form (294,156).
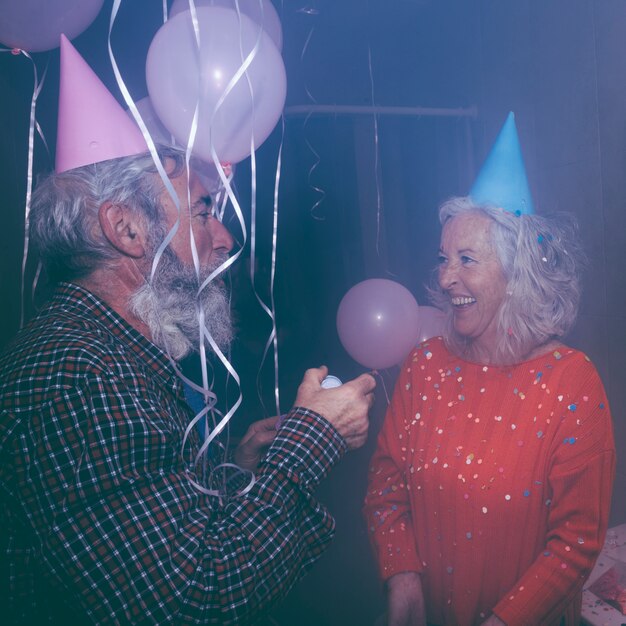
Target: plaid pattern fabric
(100,522)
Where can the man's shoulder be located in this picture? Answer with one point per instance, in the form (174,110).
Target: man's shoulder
(58,344)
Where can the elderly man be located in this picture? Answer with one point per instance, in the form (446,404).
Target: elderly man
(102,518)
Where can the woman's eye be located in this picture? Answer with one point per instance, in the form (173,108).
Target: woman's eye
(441,259)
(466,259)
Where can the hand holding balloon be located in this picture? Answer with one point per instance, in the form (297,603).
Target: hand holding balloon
(346,407)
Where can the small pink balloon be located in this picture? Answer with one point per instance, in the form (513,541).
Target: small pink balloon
(377,322)
(431,323)
(36,25)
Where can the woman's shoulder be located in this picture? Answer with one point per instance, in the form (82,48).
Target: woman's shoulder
(430,350)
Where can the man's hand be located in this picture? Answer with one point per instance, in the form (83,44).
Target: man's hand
(255,443)
(345,407)
(405,600)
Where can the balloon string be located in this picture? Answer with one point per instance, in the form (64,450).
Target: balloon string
(382,380)
(32,126)
(377,172)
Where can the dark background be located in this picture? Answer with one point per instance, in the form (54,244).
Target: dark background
(358,194)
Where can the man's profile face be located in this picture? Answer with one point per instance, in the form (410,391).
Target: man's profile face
(170,300)
(210,237)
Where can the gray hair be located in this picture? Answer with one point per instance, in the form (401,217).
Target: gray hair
(542,260)
(64,211)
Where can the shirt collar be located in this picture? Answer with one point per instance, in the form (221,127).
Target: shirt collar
(95,312)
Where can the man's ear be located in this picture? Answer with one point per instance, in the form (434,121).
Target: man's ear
(123,229)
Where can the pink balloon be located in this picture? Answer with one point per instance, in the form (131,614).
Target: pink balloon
(37,25)
(431,323)
(377,322)
(261,12)
(179,76)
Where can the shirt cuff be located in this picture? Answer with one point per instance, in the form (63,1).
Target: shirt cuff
(305,448)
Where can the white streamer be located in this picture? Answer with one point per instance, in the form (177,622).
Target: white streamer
(32,126)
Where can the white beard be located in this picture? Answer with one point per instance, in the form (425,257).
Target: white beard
(168,305)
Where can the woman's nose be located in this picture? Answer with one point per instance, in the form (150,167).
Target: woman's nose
(447,276)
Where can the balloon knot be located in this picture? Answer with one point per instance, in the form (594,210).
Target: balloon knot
(16,51)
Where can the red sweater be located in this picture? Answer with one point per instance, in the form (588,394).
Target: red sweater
(495,483)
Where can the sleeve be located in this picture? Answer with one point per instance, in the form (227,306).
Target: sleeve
(580,479)
(387,507)
(122,527)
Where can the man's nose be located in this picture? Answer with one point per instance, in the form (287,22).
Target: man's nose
(222,239)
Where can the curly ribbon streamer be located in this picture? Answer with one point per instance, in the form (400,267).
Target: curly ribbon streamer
(204,333)
(271,309)
(317,159)
(32,126)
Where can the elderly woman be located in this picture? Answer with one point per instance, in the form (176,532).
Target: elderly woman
(490,487)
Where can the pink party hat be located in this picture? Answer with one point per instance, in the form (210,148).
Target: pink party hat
(92,126)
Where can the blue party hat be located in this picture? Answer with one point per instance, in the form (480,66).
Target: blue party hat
(502,179)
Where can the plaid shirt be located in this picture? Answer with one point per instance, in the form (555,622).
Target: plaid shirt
(100,522)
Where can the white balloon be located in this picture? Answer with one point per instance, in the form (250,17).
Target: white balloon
(37,25)
(206,170)
(179,75)
(262,12)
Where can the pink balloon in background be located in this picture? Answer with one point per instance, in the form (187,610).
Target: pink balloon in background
(37,25)
(179,75)
(261,12)
(377,322)
(431,323)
